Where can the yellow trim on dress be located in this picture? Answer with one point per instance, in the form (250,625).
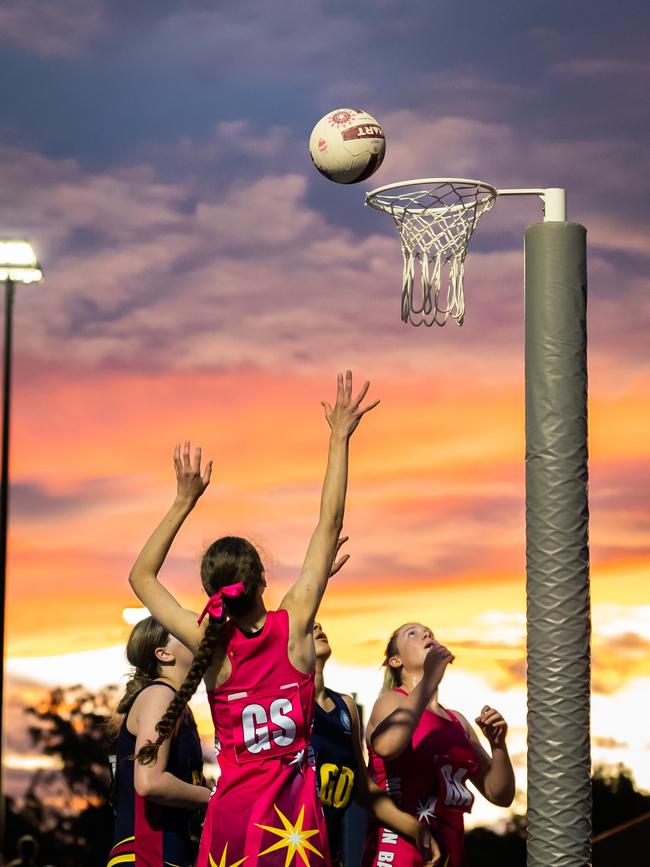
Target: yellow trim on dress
(121,859)
(125,840)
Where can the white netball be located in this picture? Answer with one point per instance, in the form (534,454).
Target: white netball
(347,145)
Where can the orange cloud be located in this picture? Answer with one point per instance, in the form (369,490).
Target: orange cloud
(436,491)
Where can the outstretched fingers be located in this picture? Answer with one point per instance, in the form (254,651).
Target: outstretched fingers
(191,478)
(338,564)
(340,542)
(360,396)
(364,409)
(178,464)
(340,392)
(207,474)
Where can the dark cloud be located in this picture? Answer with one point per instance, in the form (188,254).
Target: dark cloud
(118,73)
(32,501)
(619,507)
(161,166)
(61,32)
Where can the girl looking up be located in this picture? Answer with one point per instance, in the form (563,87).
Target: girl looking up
(341,768)
(423,754)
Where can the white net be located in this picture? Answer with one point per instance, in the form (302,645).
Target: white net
(435,218)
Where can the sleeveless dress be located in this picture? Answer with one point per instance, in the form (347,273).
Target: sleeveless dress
(148,834)
(428,780)
(265,809)
(336,766)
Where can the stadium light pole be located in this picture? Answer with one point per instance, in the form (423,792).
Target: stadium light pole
(18,264)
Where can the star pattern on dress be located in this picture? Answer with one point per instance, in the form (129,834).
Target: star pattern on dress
(426,810)
(292,838)
(224,858)
(298,759)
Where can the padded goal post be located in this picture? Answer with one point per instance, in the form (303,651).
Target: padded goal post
(436,218)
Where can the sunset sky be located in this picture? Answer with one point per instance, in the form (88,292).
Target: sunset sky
(204,282)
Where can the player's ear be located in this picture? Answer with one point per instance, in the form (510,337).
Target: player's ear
(164,656)
(395,662)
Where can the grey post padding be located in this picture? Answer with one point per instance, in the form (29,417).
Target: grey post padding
(557,547)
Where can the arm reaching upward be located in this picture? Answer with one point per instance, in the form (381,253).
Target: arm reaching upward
(190,484)
(303,599)
(395,716)
(495,777)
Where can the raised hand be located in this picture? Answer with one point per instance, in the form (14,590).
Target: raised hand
(190,481)
(347,413)
(338,564)
(493,726)
(436,662)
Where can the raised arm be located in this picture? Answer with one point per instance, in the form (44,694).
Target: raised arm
(495,778)
(305,596)
(395,716)
(190,484)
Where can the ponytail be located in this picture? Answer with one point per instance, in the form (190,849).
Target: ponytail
(145,637)
(392,676)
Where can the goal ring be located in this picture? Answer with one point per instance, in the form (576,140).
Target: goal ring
(435,218)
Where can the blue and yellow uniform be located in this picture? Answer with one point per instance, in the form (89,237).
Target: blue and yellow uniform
(148,834)
(336,765)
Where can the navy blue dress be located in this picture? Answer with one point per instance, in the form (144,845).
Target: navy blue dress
(336,765)
(148,834)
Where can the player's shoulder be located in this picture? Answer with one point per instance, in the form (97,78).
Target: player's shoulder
(156,693)
(464,722)
(387,702)
(351,704)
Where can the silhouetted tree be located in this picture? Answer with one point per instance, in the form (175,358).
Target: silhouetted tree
(616,798)
(67,808)
(486,848)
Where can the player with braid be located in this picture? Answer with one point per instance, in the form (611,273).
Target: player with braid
(258,666)
(154,803)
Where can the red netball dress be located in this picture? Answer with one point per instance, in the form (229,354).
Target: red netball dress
(429,780)
(265,809)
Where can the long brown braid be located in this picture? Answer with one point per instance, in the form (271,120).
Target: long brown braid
(145,637)
(227,561)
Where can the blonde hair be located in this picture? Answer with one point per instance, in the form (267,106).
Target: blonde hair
(392,676)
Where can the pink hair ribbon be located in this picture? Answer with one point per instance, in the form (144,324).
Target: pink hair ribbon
(215,603)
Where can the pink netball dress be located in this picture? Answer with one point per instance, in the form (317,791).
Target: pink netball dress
(265,810)
(428,780)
